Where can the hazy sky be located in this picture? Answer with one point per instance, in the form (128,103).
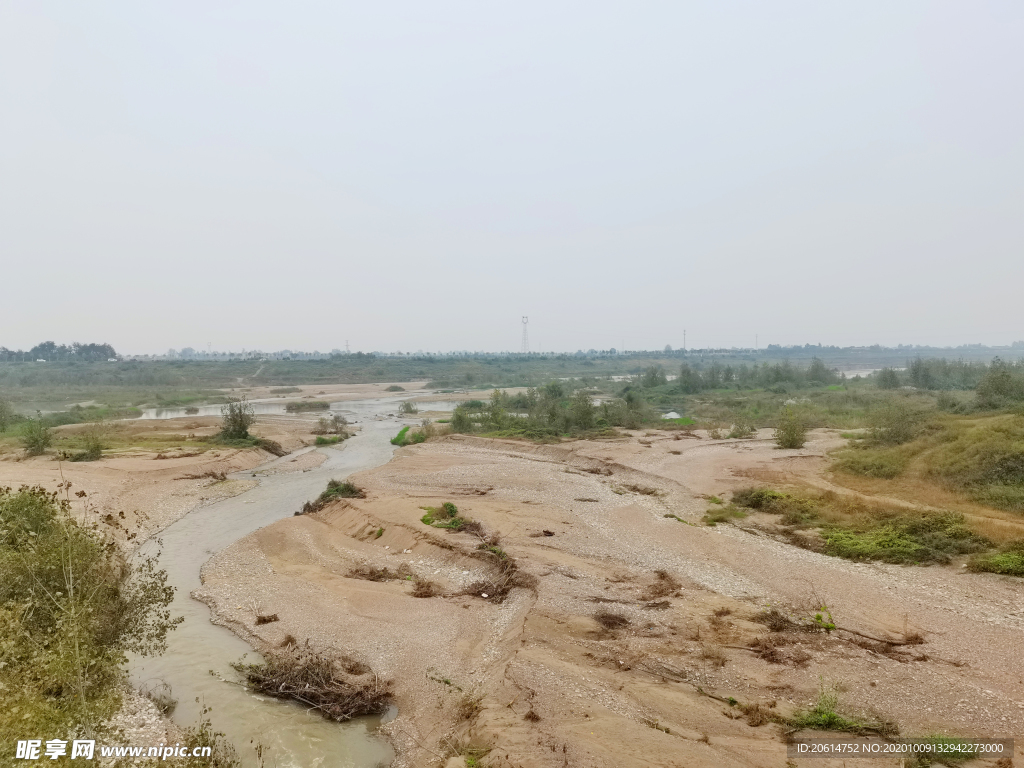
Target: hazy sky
(419,175)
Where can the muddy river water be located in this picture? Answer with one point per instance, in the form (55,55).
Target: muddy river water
(290,735)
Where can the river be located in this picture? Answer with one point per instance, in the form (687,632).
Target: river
(291,736)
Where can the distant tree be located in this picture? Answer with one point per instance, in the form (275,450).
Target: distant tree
(888,378)
(690,381)
(238,416)
(460,421)
(654,376)
(6,415)
(581,410)
(819,373)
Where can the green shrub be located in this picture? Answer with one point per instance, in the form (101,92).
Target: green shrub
(1008,560)
(332,440)
(336,489)
(791,431)
(400,438)
(894,423)
(408,407)
(238,416)
(36,436)
(824,716)
(394,388)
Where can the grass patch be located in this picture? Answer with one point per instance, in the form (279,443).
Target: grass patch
(885,463)
(400,439)
(307,405)
(1008,560)
(724,515)
(824,715)
(394,388)
(856,530)
(682,421)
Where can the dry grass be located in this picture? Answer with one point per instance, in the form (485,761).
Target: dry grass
(712,654)
(372,573)
(665,585)
(469,706)
(611,620)
(425,588)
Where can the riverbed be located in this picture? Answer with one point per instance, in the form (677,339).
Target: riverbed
(197,664)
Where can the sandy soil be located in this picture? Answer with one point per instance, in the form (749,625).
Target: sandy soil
(139,491)
(555,687)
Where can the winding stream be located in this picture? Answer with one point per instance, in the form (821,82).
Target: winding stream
(290,735)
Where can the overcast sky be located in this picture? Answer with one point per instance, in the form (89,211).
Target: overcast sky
(419,175)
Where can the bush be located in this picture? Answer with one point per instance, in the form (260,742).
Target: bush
(408,407)
(336,489)
(894,423)
(824,715)
(238,416)
(400,438)
(756,498)
(791,431)
(36,436)
(394,388)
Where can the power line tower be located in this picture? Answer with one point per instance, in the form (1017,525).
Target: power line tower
(526,336)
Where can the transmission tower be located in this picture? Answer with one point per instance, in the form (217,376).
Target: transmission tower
(526,336)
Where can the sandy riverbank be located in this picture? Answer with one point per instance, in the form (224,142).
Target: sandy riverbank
(554,686)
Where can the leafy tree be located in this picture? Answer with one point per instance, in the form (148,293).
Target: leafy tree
(460,421)
(581,410)
(238,416)
(71,608)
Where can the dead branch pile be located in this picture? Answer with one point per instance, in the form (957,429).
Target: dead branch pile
(203,475)
(317,680)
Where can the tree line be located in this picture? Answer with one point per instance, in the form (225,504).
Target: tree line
(51,351)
